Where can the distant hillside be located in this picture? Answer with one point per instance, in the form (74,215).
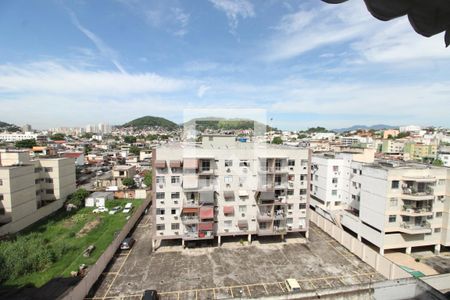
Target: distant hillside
(214,123)
(364,127)
(8,127)
(150,121)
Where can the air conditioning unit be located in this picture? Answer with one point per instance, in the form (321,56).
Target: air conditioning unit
(161,185)
(176,233)
(228,170)
(245,170)
(176,217)
(161,218)
(243,215)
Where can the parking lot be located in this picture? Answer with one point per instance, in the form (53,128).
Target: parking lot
(231,271)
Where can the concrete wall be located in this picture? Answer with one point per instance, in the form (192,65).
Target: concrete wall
(382,265)
(82,288)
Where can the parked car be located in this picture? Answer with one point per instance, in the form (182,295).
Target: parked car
(150,295)
(292,285)
(127,243)
(115,209)
(99,173)
(128,207)
(100,209)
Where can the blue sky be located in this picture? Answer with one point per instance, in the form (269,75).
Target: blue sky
(305,63)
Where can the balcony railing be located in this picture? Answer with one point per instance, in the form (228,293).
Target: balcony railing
(414,226)
(202,235)
(414,192)
(413,209)
(189,219)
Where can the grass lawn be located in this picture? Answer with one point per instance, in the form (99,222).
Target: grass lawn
(65,227)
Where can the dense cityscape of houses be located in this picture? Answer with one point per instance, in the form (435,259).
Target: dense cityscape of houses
(390,188)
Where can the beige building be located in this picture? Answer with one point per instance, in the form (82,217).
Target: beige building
(222,187)
(32,189)
(391,205)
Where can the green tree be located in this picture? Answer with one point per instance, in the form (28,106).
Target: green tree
(317,129)
(77,198)
(26,143)
(438,162)
(277,140)
(128,182)
(57,137)
(302,136)
(148,179)
(87,149)
(129,139)
(87,135)
(135,150)
(403,134)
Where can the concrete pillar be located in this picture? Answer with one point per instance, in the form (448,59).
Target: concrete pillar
(249,239)
(282,238)
(381,251)
(153,245)
(437,249)
(359,238)
(219,240)
(182,243)
(408,250)
(307,234)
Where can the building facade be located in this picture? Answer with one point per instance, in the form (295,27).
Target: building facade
(29,187)
(228,188)
(391,205)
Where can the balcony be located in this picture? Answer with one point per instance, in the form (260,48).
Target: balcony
(265,215)
(206,171)
(411,193)
(201,235)
(413,211)
(275,230)
(191,203)
(201,185)
(413,228)
(266,170)
(189,219)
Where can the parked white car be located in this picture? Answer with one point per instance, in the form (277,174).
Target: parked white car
(100,209)
(115,210)
(128,207)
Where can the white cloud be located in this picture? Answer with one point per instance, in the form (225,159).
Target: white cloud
(54,78)
(104,49)
(183,19)
(202,90)
(234,9)
(369,40)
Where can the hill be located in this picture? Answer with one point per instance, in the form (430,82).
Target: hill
(214,123)
(365,127)
(150,121)
(8,127)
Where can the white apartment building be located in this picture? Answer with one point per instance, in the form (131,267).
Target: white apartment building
(32,189)
(14,137)
(390,205)
(444,155)
(222,187)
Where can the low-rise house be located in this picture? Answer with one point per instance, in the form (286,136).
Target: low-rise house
(98,199)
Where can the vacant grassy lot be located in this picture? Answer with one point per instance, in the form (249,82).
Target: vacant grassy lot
(75,231)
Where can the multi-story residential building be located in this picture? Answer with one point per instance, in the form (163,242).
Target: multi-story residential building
(393,204)
(14,137)
(393,147)
(419,151)
(390,132)
(444,155)
(32,189)
(223,187)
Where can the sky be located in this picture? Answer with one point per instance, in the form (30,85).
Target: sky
(304,63)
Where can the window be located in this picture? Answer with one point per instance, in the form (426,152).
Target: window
(242,208)
(291,163)
(337,203)
(441,181)
(48,180)
(160,195)
(49,191)
(290,192)
(302,191)
(302,206)
(316,177)
(302,177)
(48,169)
(1,182)
(160,211)
(333,192)
(206,165)
(335,168)
(437,230)
(227,224)
(175,179)
(1,197)
(2,211)
(289,221)
(304,162)
(175,195)
(36,181)
(354,183)
(392,218)
(228,163)
(175,226)
(355,171)
(160,180)
(334,180)
(160,227)
(228,179)
(37,170)
(438,214)
(395,184)
(393,202)
(173,211)
(405,218)
(244,163)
